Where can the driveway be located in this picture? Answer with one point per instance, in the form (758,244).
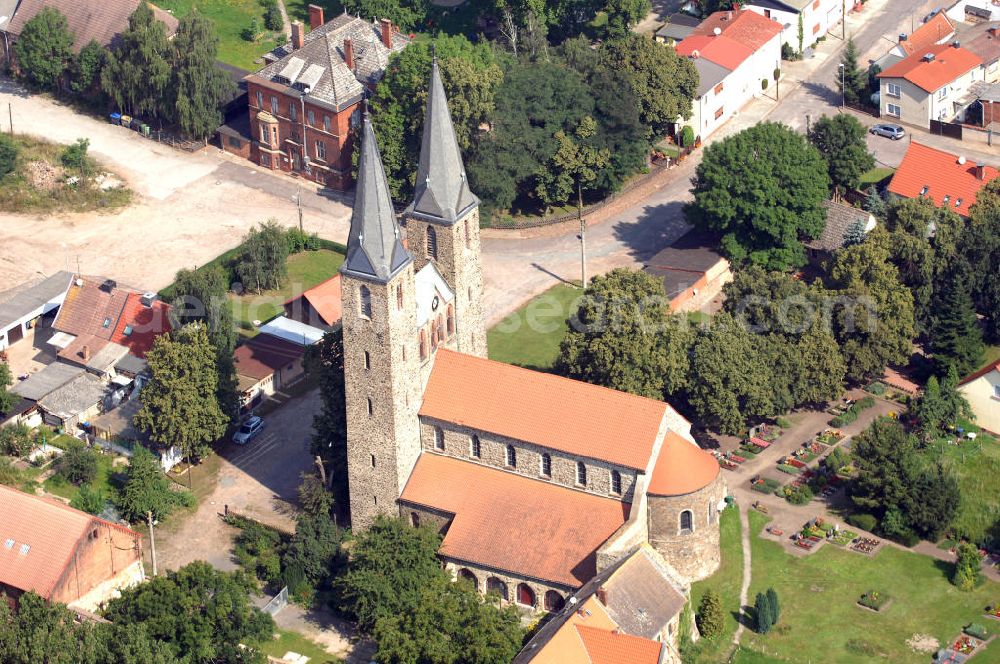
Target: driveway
(189,207)
(259,480)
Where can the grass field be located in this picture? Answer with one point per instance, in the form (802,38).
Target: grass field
(875,176)
(38,183)
(976,466)
(230,18)
(530,336)
(305,270)
(726,582)
(820,621)
(102,483)
(293,641)
(992,354)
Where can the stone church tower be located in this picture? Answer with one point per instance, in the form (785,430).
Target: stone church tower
(442,222)
(381,364)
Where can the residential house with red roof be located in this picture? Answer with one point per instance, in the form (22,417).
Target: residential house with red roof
(62,554)
(734,52)
(816,17)
(537,483)
(264,365)
(930,84)
(318,306)
(948,179)
(982,390)
(937,30)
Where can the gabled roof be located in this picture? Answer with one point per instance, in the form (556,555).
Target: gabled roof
(930,33)
(681,468)
(989,368)
(100,20)
(612,647)
(984,41)
(678,26)
(742,26)
(507,522)
(709,74)
(46,381)
(332,81)
(375,248)
(28,298)
(139,325)
(262,355)
(934,67)
(721,50)
(292,330)
(441,191)
(840,218)
(943,177)
(43,535)
(429,286)
(325,299)
(78,395)
(544,409)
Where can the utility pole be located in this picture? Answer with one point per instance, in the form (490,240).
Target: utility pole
(298,203)
(152,542)
(583,234)
(807,124)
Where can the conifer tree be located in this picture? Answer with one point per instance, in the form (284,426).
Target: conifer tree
(956,338)
(772,599)
(762,611)
(854,81)
(710,616)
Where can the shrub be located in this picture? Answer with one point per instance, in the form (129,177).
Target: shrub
(976,630)
(257,551)
(687,136)
(866,402)
(788,53)
(8,155)
(272,17)
(863,521)
(710,616)
(776,74)
(874,599)
(74,157)
(89,500)
(762,614)
(967,575)
(16,440)
(251,32)
(301,241)
(772,600)
(783,422)
(800,495)
(78,464)
(878,389)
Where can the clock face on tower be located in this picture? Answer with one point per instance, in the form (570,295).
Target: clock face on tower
(434,303)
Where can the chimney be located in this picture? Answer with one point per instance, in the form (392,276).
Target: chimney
(298,35)
(85,353)
(903,37)
(928,57)
(981,171)
(602,595)
(387,31)
(349,54)
(315,16)
(729,15)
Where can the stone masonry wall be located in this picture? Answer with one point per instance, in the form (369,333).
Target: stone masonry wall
(493,450)
(383,394)
(694,554)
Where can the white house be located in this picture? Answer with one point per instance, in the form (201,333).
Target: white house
(982,391)
(815,16)
(734,52)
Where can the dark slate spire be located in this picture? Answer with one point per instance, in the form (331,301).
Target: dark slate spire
(374,247)
(441,190)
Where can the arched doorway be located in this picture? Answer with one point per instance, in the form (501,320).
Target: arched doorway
(525,595)
(497,587)
(553,601)
(467,575)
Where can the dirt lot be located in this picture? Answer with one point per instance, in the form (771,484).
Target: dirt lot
(189,207)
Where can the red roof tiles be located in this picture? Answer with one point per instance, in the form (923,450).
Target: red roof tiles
(544,409)
(325,299)
(139,325)
(721,50)
(681,468)
(930,33)
(942,175)
(507,522)
(42,535)
(611,647)
(741,34)
(949,63)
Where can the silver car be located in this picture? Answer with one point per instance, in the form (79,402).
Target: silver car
(249,430)
(893,131)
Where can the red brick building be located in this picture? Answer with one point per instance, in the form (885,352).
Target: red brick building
(304,103)
(62,554)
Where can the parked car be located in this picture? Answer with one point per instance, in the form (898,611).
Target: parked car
(249,430)
(893,131)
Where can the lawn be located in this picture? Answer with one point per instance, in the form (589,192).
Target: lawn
(875,176)
(820,621)
(102,483)
(726,582)
(530,336)
(305,270)
(230,18)
(293,641)
(38,183)
(976,466)
(992,354)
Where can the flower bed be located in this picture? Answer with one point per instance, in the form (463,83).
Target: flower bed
(874,599)
(765,485)
(865,545)
(966,645)
(795,463)
(791,470)
(993,610)
(977,631)
(842,537)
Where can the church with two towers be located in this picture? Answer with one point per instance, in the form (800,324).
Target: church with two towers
(537,482)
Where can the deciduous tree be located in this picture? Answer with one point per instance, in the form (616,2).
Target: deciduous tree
(407,15)
(146,489)
(575,164)
(136,75)
(325,363)
(7,397)
(199,86)
(623,14)
(261,264)
(78,463)
(980,246)
(85,78)
(763,190)
(44,49)
(967,574)
(841,141)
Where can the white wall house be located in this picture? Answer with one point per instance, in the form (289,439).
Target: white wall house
(982,391)
(929,86)
(817,17)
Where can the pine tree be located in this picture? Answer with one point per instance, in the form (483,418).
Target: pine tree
(764,616)
(710,616)
(852,82)
(772,599)
(930,409)
(199,86)
(956,338)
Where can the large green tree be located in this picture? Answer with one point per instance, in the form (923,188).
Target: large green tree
(85,73)
(470,74)
(852,80)
(576,163)
(44,49)
(841,141)
(623,14)
(763,190)
(980,246)
(199,86)
(955,336)
(662,82)
(136,75)
(622,337)
(710,617)
(179,406)
(872,313)
(146,490)
(262,261)
(406,15)
(204,615)
(315,550)
(325,363)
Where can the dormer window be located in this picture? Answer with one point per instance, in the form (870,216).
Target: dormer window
(924,190)
(958,202)
(127,331)
(107,323)
(947,198)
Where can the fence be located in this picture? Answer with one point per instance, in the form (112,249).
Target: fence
(949,129)
(537,222)
(278,602)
